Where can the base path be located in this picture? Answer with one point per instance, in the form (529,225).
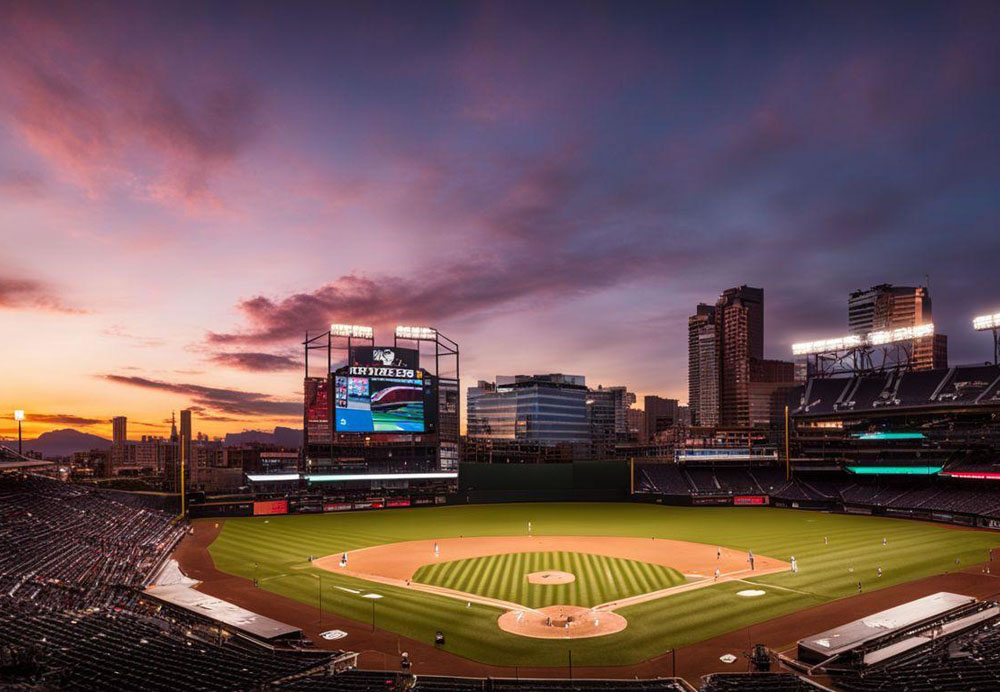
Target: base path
(394,563)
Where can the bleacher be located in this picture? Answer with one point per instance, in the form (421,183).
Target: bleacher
(124,650)
(63,546)
(967,661)
(726,682)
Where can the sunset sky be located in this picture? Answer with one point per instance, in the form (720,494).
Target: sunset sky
(186,189)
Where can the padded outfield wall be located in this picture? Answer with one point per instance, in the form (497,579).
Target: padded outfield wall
(582,481)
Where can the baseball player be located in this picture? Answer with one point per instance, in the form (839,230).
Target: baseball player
(795,566)
(716,574)
(437,549)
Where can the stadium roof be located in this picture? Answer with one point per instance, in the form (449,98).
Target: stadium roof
(230,614)
(12,461)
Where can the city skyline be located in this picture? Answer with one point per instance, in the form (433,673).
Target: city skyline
(182,200)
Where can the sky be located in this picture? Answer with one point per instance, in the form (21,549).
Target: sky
(187,189)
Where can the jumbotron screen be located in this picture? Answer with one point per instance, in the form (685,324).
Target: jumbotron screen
(381,404)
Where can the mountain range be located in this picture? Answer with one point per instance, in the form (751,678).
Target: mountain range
(62,443)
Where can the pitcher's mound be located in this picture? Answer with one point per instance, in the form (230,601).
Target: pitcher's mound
(561,622)
(551,576)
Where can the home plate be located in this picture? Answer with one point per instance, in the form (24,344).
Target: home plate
(331,635)
(750,593)
(727,658)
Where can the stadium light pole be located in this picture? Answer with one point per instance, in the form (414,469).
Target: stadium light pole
(990,323)
(19,416)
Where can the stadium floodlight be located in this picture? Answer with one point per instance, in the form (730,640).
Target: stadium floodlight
(352,331)
(416,333)
(842,343)
(846,343)
(984,323)
(890,336)
(18,415)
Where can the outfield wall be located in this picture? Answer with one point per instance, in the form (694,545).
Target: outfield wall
(584,481)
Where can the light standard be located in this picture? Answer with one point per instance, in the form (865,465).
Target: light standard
(19,416)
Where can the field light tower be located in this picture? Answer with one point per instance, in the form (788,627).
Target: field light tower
(19,416)
(990,323)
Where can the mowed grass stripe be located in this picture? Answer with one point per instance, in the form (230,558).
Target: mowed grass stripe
(599,578)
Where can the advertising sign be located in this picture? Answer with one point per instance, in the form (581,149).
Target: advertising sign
(750,499)
(318,428)
(270,507)
(338,507)
(385,356)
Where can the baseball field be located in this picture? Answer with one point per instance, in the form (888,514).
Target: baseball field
(651,568)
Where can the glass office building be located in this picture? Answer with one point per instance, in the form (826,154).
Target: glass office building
(542,409)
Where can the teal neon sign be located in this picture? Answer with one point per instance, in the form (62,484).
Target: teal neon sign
(890,436)
(895,470)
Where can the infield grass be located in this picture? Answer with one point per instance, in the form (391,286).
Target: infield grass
(281,545)
(599,578)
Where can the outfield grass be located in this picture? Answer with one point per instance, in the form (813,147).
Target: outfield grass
(281,545)
(599,578)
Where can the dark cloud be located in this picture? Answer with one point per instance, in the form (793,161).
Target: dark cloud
(256,362)
(220,401)
(30,294)
(66,419)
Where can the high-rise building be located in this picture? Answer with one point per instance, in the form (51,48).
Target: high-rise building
(660,414)
(739,328)
(184,453)
(707,358)
(729,382)
(701,325)
(886,306)
(637,425)
(119,436)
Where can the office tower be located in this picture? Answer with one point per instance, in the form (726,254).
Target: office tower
(886,307)
(119,436)
(546,409)
(700,325)
(601,406)
(637,425)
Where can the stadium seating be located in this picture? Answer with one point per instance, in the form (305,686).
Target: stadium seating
(723,682)
(967,661)
(63,546)
(123,650)
(663,478)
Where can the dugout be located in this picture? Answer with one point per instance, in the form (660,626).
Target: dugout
(571,482)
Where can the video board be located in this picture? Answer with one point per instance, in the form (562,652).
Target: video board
(383,400)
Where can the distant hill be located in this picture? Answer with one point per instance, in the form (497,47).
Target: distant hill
(284,437)
(62,443)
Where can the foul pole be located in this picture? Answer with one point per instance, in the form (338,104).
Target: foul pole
(788,461)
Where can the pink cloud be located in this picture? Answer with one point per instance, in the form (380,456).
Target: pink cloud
(105,116)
